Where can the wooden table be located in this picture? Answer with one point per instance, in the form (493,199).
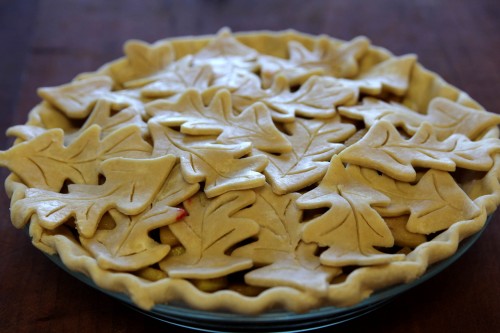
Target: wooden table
(48,42)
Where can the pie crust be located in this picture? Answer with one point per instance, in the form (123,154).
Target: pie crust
(251,172)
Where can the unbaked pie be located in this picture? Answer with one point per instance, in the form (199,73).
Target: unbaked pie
(251,171)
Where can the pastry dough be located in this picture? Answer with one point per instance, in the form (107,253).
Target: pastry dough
(249,171)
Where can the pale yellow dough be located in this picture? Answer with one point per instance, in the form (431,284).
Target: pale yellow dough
(249,171)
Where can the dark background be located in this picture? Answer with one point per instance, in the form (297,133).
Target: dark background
(48,42)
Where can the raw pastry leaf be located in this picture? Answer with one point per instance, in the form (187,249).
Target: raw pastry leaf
(383,149)
(109,120)
(316,98)
(129,188)
(253,125)
(77,98)
(314,142)
(207,233)
(288,261)
(141,59)
(391,75)
(222,167)
(44,162)
(351,227)
(225,54)
(434,203)
(446,117)
(177,80)
(128,246)
(326,59)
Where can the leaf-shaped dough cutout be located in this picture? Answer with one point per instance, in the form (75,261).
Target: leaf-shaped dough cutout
(327,58)
(177,81)
(128,246)
(222,167)
(207,233)
(225,54)
(402,236)
(434,196)
(278,246)
(129,188)
(351,227)
(314,142)
(391,75)
(316,98)
(109,120)
(141,59)
(252,125)
(77,98)
(45,162)
(447,117)
(383,149)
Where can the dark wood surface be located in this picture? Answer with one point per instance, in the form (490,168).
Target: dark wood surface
(48,42)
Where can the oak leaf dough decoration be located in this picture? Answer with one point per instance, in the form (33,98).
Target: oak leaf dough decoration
(128,246)
(223,167)
(351,228)
(435,195)
(141,59)
(383,149)
(447,117)
(78,97)
(325,59)
(129,188)
(314,142)
(286,259)
(109,120)
(208,231)
(225,54)
(316,98)
(46,163)
(391,75)
(253,125)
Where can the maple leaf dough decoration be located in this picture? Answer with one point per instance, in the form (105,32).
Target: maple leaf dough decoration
(128,188)
(435,194)
(44,162)
(128,246)
(326,59)
(351,228)
(446,117)
(253,125)
(286,259)
(383,149)
(314,142)
(208,231)
(223,167)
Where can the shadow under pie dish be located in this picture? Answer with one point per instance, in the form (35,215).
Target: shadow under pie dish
(254,172)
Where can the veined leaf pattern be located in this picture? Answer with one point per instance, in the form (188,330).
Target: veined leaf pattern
(44,162)
(208,231)
(383,149)
(128,188)
(253,125)
(314,142)
(436,194)
(445,116)
(317,97)
(286,259)
(326,59)
(128,246)
(222,167)
(351,228)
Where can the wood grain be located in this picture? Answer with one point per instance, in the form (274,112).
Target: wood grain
(48,42)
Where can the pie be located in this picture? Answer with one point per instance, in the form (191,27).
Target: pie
(252,171)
